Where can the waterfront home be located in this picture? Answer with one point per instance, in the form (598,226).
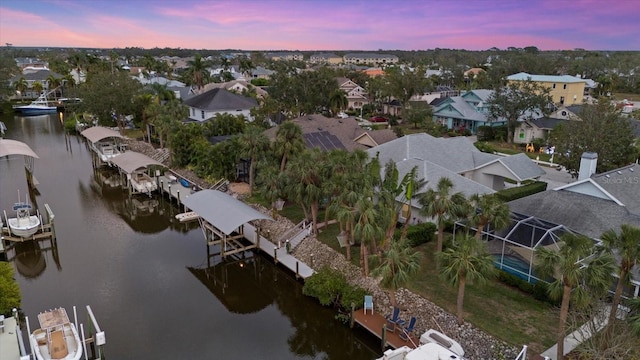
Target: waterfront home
(564,89)
(207,105)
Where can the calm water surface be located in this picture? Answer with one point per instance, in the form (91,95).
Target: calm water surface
(148,279)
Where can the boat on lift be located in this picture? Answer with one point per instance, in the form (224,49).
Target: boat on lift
(57,337)
(24,225)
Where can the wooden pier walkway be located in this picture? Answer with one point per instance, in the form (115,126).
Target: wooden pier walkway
(374,324)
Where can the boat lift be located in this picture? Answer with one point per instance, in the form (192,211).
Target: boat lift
(96,339)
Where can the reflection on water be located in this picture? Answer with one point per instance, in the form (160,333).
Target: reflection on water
(148,277)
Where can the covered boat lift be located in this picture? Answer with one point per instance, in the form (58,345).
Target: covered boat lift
(137,167)
(106,143)
(225,220)
(13,147)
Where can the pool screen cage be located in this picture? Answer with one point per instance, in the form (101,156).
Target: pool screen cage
(514,248)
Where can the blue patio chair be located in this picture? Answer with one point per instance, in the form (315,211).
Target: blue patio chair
(393,318)
(406,331)
(368,303)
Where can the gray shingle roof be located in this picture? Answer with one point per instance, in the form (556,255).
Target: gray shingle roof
(457,107)
(221,100)
(624,184)
(546,123)
(585,214)
(522,166)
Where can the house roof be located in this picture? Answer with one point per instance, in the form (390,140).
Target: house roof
(623,184)
(585,214)
(328,133)
(131,161)
(482,94)
(369,56)
(545,122)
(523,76)
(97,133)
(221,100)
(456,154)
(40,75)
(458,107)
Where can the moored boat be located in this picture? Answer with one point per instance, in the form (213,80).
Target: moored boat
(40,106)
(57,337)
(24,224)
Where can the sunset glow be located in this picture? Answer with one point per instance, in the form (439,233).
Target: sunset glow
(322,24)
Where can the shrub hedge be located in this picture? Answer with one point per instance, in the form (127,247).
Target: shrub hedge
(419,234)
(537,290)
(331,288)
(514,193)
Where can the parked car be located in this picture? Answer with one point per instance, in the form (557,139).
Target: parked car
(378,118)
(342,115)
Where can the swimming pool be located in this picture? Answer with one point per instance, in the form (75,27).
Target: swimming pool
(515,266)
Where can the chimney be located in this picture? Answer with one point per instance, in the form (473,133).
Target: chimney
(588,164)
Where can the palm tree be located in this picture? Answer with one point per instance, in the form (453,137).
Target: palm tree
(197,67)
(411,185)
(338,101)
(37,87)
(466,260)
(398,265)
(289,141)
(145,100)
(489,209)
(367,229)
(21,86)
(253,143)
(52,82)
(304,179)
(577,276)
(270,184)
(626,246)
(442,205)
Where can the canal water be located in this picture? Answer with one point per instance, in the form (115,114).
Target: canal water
(153,288)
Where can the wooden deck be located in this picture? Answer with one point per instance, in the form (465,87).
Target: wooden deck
(374,322)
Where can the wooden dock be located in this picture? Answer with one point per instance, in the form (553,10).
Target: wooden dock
(374,324)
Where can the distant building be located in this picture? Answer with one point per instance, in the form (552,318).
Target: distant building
(325,58)
(370,58)
(564,89)
(297,56)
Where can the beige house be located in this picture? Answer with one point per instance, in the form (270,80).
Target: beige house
(356,94)
(287,56)
(564,89)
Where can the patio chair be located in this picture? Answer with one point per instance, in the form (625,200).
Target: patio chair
(368,303)
(393,318)
(405,332)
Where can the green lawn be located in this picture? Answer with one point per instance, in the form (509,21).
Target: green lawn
(504,312)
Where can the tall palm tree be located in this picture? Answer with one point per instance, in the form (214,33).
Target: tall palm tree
(411,185)
(442,205)
(21,86)
(37,87)
(289,141)
(52,82)
(398,264)
(253,143)
(367,229)
(577,275)
(338,101)
(489,209)
(197,66)
(304,179)
(626,245)
(145,100)
(467,260)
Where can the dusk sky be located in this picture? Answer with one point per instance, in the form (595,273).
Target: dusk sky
(322,24)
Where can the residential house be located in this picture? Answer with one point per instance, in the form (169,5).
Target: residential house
(356,94)
(261,73)
(564,89)
(440,92)
(329,134)
(235,86)
(374,71)
(41,76)
(473,73)
(530,129)
(591,205)
(370,58)
(470,170)
(207,105)
(465,112)
(325,58)
(234,70)
(35,63)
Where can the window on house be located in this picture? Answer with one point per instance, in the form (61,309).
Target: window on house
(564,86)
(561,99)
(521,134)
(202,114)
(554,86)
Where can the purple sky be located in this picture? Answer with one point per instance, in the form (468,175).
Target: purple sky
(323,24)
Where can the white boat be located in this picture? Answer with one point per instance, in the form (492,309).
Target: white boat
(428,351)
(24,224)
(40,106)
(433,336)
(57,338)
(143,183)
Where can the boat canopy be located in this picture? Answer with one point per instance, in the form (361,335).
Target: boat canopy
(97,133)
(14,147)
(221,210)
(131,161)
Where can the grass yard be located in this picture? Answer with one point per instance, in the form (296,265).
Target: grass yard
(628,96)
(504,312)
